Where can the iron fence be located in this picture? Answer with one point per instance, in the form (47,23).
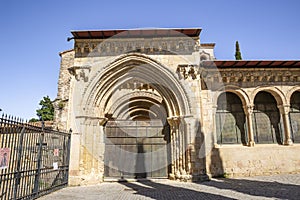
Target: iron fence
(34,160)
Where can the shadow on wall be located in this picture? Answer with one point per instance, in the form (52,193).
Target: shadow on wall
(216,168)
(207,156)
(140,168)
(203,148)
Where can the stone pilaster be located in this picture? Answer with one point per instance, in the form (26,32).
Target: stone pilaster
(88,152)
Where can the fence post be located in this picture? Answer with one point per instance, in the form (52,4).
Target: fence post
(68,155)
(39,161)
(18,173)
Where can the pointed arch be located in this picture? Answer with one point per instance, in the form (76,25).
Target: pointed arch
(142,69)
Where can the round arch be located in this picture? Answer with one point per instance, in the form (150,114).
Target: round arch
(274,91)
(244,97)
(291,92)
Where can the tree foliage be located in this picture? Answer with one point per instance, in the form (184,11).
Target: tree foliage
(34,120)
(46,111)
(238,54)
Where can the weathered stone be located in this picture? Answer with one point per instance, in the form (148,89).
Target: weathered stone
(178,81)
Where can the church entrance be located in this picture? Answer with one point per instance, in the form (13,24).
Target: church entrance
(136,149)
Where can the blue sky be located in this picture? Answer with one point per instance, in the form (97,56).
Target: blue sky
(34,32)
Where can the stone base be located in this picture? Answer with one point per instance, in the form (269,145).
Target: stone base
(200,178)
(85,180)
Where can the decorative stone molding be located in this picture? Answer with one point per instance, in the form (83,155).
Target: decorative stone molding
(80,72)
(238,75)
(95,121)
(117,46)
(186,71)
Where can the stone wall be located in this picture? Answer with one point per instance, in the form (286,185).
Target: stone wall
(238,160)
(85,77)
(61,103)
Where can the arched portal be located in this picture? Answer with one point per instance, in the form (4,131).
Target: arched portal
(139,97)
(295,116)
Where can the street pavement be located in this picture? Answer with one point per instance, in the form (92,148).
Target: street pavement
(261,187)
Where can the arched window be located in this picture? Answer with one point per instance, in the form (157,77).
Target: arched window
(266,119)
(295,116)
(230,120)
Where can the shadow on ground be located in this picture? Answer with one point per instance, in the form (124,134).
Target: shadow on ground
(160,191)
(254,188)
(257,188)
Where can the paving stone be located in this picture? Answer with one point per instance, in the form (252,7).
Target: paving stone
(261,187)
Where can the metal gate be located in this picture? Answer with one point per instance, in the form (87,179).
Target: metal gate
(136,149)
(34,160)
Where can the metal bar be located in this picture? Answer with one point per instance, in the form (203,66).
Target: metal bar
(39,161)
(18,173)
(29,172)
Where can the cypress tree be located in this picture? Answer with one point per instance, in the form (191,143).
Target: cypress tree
(238,54)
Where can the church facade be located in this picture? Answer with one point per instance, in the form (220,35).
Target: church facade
(156,103)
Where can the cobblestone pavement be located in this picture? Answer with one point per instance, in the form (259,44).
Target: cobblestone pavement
(262,187)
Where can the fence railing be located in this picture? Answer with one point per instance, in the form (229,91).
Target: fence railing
(34,160)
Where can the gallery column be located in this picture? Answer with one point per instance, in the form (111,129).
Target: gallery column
(284,111)
(249,114)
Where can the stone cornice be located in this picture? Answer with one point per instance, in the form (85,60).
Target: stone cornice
(117,46)
(239,75)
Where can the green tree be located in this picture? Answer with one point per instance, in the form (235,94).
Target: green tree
(34,120)
(46,112)
(238,54)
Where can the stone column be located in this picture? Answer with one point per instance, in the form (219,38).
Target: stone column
(249,113)
(214,111)
(284,111)
(182,148)
(175,151)
(172,173)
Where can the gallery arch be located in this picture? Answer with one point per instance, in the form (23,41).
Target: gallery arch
(230,120)
(266,119)
(295,116)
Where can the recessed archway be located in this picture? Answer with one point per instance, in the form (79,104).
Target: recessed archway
(230,120)
(295,116)
(266,119)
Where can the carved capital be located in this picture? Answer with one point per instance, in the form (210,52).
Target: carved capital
(186,71)
(284,109)
(248,109)
(174,122)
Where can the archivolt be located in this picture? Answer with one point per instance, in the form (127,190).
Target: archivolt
(140,68)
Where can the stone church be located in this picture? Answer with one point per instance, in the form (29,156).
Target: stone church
(156,103)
